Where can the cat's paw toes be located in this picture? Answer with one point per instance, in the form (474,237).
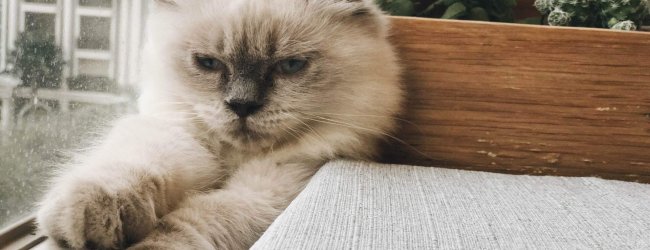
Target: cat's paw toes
(93,217)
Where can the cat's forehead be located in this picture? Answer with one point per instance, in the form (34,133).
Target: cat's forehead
(262,31)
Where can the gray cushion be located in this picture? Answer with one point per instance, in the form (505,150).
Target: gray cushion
(352,205)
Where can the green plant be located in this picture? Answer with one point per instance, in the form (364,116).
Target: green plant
(38,61)
(483,10)
(614,14)
(398,7)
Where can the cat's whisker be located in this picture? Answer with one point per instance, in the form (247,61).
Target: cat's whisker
(350,125)
(173,116)
(343,124)
(169,102)
(287,130)
(316,134)
(366,115)
(299,135)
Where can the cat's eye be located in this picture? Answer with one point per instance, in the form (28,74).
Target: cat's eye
(292,66)
(208,63)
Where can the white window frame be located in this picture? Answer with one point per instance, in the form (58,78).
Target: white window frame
(4,9)
(126,38)
(131,21)
(10,24)
(40,8)
(95,54)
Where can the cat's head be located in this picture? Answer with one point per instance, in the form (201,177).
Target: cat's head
(259,72)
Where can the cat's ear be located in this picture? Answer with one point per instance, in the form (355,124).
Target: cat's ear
(363,12)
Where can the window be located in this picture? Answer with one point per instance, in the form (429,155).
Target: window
(95,39)
(43,23)
(3,35)
(39,17)
(90,50)
(93,67)
(96,3)
(95,33)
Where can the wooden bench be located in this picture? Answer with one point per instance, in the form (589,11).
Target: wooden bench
(524,99)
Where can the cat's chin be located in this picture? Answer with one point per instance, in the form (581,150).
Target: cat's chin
(243,135)
(248,135)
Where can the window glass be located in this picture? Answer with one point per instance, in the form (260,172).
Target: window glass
(93,67)
(43,24)
(76,93)
(41,1)
(95,33)
(96,3)
(29,153)
(3,34)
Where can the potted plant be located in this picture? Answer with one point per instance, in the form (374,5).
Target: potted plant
(38,62)
(613,14)
(496,10)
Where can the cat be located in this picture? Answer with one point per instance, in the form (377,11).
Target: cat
(242,102)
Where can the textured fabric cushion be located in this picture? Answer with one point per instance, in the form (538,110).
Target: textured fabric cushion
(351,205)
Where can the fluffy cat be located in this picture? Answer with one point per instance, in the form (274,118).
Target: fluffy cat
(243,101)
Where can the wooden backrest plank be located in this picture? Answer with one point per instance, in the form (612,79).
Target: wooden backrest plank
(524,99)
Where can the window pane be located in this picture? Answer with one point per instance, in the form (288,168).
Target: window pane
(95,33)
(93,67)
(92,83)
(41,1)
(40,133)
(96,3)
(2,38)
(41,23)
(29,151)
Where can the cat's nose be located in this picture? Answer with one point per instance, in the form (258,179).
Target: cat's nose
(244,108)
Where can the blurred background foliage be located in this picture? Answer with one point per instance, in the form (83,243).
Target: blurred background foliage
(618,14)
(38,60)
(482,10)
(613,14)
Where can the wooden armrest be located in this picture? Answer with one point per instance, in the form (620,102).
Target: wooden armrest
(524,99)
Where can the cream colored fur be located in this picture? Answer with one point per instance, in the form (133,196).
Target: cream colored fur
(181,175)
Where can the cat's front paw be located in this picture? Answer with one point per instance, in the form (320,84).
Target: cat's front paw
(83,214)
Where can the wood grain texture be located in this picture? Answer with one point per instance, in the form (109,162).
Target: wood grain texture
(524,99)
